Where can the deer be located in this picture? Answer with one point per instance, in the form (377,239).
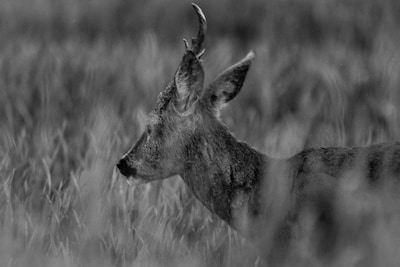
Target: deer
(255,194)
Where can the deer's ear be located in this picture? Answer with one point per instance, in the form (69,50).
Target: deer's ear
(189,80)
(229,83)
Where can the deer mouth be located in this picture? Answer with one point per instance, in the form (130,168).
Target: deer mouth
(135,181)
(139,179)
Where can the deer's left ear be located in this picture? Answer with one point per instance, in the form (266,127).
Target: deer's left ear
(189,80)
(229,83)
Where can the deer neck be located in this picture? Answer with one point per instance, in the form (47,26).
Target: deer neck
(223,173)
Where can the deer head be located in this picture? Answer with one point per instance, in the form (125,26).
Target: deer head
(184,114)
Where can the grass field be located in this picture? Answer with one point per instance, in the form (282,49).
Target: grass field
(78,77)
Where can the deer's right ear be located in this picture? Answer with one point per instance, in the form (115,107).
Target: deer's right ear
(229,83)
(189,80)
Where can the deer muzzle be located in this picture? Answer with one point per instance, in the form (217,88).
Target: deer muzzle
(125,169)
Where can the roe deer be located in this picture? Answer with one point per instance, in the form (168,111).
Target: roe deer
(250,191)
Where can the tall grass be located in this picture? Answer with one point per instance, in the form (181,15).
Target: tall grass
(76,78)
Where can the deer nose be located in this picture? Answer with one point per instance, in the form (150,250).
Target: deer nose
(125,169)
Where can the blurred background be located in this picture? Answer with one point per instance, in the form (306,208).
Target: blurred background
(78,77)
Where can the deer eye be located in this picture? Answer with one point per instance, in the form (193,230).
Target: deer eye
(148,131)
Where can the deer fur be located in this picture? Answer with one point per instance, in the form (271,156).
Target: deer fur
(245,188)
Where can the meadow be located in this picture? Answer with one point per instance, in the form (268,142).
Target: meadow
(77,79)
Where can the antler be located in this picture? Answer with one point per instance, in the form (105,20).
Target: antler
(198,40)
(165,96)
